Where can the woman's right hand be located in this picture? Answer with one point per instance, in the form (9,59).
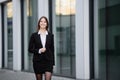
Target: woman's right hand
(42,49)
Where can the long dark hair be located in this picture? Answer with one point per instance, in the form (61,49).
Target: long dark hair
(38,26)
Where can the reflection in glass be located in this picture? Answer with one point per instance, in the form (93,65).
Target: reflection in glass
(9,10)
(65,7)
(113,37)
(9,35)
(109,39)
(65,37)
(30,22)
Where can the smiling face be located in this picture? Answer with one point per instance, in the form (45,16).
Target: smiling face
(43,23)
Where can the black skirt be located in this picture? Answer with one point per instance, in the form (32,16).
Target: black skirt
(40,67)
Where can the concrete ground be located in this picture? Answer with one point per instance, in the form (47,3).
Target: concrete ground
(18,75)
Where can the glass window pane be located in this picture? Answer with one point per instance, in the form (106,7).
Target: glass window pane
(113,39)
(9,35)
(30,22)
(109,39)
(102,37)
(65,37)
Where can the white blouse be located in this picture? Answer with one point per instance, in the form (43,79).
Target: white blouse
(43,39)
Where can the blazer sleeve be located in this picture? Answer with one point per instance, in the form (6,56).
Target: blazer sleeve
(31,47)
(52,49)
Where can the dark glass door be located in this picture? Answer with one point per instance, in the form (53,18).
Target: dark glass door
(8,35)
(107,60)
(113,39)
(65,37)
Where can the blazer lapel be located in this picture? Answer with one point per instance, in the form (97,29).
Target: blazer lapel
(39,39)
(47,37)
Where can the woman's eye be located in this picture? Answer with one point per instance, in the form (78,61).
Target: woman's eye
(43,21)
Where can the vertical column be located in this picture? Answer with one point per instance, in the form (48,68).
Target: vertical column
(5,38)
(96,31)
(16,35)
(82,39)
(79,40)
(86,39)
(26,62)
(0,38)
(43,8)
(54,31)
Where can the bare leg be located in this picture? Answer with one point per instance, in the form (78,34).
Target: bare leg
(38,76)
(48,75)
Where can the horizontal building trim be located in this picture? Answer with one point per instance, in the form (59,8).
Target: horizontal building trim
(1,1)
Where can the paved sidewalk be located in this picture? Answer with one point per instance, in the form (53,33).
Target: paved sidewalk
(18,75)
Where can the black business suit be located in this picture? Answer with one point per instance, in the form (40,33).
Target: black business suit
(44,61)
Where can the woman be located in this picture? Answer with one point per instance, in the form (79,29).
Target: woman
(42,46)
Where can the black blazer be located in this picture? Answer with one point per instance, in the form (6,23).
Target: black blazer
(35,44)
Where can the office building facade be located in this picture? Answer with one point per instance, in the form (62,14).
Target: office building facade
(86,35)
